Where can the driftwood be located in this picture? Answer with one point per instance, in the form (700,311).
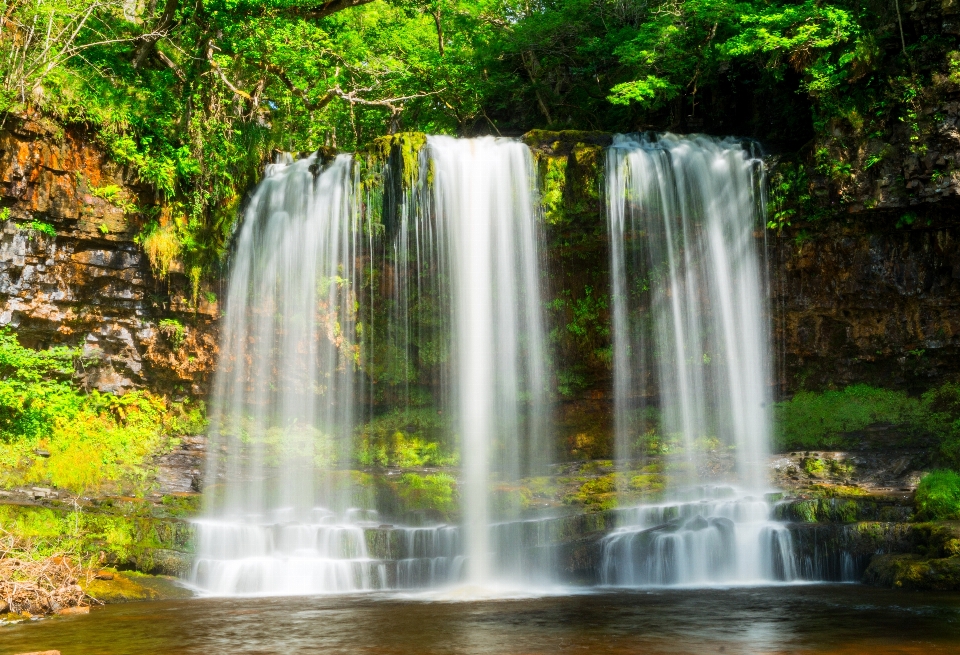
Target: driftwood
(41,586)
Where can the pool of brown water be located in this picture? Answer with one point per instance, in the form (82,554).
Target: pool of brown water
(814,619)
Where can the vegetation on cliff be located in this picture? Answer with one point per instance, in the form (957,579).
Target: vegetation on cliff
(53,432)
(836,419)
(194,96)
(938,496)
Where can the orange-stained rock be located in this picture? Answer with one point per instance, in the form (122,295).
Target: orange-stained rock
(67,611)
(91,284)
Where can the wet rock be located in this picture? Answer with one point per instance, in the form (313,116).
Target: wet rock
(696,524)
(912,571)
(861,300)
(69,611)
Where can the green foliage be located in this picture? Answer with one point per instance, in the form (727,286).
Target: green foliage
(93,440)
(43,228)
(435,492)
(554,178)
(822,420)
(790,197)
(812,420)
(116,196)
(587,322)
(126,537)
(173,330)
(940,416)
(407,438)
(598,493)
(194,97)
(938,496)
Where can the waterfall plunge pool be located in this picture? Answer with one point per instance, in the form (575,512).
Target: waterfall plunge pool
(825,619)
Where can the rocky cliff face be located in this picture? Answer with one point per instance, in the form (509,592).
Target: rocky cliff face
(866,300)
(865,295)
(71,272)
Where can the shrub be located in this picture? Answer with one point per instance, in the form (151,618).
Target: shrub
(173,330)
(43,228)
(406,438)
(162,247)
(815,420)
(88,441)
(938,496)
(941,417)
(435,492)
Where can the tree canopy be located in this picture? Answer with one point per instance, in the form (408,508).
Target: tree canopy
(194,94)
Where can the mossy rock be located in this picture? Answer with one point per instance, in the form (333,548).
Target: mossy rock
(405,147)
(563,141)
(132,586)
(911,571)
(118,588)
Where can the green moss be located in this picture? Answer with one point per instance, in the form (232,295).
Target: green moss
(938,496)
(647,483)
(181,505)
(128,536)
(406,438)
(587,178)
(597,494)
(836,491)
(118,589)
(436,492)
(566,138)
(814,467)
(52,432)
(553,179)
(812,420)
(832,419)
(173,330)
(911,571)
(406,146)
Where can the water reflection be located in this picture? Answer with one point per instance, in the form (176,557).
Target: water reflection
(816,620)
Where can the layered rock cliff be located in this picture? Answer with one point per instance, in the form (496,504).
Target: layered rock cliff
(863,299)
(72,273)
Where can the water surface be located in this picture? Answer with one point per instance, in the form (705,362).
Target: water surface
(815,619)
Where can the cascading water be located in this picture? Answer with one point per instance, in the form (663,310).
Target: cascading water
(281,511)
(469,244)
(282,514)
(460,264)
(688,320)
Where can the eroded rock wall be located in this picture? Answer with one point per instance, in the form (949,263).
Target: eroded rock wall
(866,298)
(71,272)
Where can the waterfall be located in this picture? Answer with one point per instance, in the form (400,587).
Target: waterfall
(474,239)
(282,512)
(484,201)
(279,500)
(416,285)
(689,323)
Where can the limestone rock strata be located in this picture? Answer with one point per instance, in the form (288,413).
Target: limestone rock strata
(71,272)
(866,300)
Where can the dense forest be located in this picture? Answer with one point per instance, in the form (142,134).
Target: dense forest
(195,95)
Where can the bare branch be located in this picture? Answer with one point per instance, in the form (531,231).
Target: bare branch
(150,40)
(215,67)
